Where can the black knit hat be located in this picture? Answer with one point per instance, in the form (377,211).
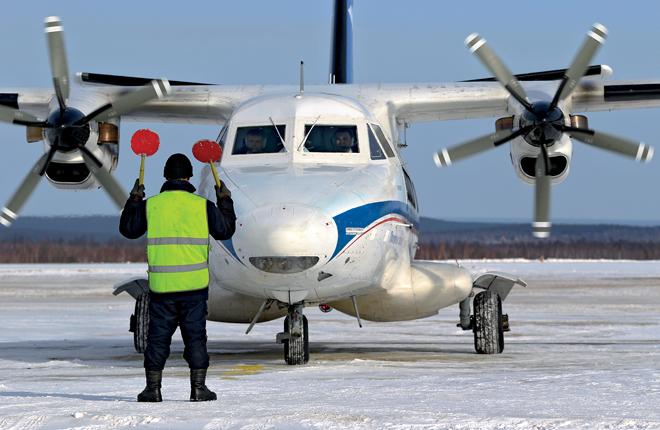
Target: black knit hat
(178,167)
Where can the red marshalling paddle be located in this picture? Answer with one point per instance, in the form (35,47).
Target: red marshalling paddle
(144,143)
(208,151)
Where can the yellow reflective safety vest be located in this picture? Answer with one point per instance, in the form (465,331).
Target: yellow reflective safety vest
(177,242)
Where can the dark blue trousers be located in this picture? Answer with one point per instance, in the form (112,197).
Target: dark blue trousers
(165,314)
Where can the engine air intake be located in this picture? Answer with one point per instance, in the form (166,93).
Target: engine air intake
(72,173)
(558,164)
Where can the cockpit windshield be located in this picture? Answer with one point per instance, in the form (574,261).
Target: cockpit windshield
(331,138)
(265,139)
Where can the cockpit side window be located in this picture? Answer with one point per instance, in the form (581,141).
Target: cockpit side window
(374,147)
(331,138)
(383,140)
(410,190)
(263,139)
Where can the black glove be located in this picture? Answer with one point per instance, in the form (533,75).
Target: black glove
(137,193)
(222,192)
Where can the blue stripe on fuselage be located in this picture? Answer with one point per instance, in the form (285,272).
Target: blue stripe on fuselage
(362,216)
(358,217)
(229,246)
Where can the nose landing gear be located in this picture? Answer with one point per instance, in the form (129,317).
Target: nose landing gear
(295,337)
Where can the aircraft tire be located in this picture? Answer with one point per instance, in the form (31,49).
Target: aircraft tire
(140,323)
(296,350)
(488,323)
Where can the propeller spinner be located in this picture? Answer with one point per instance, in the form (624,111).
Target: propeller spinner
(67,128)
(542,123)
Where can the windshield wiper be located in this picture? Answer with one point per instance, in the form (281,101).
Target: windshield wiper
(278,132)
(308,132)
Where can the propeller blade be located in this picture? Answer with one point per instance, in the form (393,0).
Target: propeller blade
(446,157)
(541,225)
(125,103)
(630,148)
(480,48)
(110,185)
(16,116)
(595,38)
(10,212)
(49,157)
(58,64)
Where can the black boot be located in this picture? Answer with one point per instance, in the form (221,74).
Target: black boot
(199,392)
(152,391)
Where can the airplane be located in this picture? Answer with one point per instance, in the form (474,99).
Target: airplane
(327,213)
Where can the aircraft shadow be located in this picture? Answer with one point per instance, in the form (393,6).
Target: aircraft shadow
(118,352)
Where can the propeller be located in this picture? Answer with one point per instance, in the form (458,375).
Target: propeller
(542,123)
(67,128)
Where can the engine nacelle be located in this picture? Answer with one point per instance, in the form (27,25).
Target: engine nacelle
(523,154)
(67,169)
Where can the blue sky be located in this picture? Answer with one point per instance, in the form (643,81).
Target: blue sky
(255,42)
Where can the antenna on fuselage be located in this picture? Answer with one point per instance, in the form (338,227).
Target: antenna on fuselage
(302,79)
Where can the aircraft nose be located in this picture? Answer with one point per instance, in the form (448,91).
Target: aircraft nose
(285,238)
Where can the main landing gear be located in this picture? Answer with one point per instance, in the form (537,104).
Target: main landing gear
(487,322)
(295,337)
(140,323)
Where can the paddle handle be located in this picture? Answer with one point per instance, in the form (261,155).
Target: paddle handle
(141,180)
(215,174)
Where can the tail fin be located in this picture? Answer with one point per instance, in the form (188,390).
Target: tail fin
(341,65)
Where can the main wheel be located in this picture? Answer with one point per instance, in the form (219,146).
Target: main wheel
(296,349)
(488,324)
(140,323)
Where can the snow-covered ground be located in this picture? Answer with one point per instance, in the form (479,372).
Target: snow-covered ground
(584,352)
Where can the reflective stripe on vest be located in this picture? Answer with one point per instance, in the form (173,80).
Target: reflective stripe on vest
(177,242)
(178,269)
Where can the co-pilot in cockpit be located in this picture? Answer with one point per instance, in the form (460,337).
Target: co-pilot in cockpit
(331,138)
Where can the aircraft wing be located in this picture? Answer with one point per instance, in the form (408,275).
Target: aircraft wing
(615,95)
(409,102)
(464,100)
(200,105)
(33,101)
(437,102)
(421,102)
(196,103)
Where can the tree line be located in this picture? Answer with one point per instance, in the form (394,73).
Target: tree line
(85,250)
(579,249)
(72,251)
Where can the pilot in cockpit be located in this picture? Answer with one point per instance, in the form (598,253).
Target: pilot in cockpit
(343,140)
(255,143)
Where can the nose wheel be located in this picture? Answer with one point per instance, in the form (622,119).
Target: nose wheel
(295,337)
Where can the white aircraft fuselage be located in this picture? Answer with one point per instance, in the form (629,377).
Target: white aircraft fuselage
(328,225)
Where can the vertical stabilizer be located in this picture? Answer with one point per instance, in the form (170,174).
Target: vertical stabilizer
(341,62)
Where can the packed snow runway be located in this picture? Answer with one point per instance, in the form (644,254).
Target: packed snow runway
(584,352)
